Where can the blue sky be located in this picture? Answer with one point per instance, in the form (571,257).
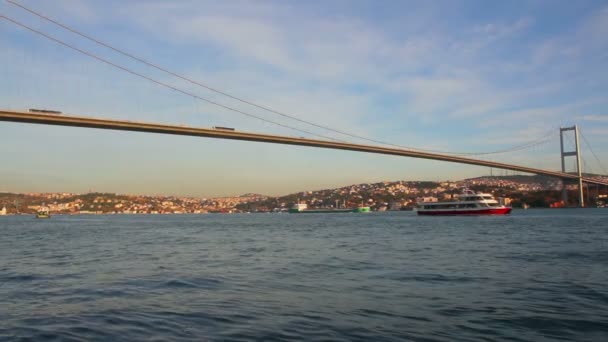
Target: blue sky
(471,76)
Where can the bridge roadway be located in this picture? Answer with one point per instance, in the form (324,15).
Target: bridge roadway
(124,125)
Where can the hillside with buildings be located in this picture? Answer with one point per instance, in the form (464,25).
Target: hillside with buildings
(536,191)
(109,203)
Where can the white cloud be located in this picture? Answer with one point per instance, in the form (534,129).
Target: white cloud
(578,44)
(595,118)
(249,38)
(599,131)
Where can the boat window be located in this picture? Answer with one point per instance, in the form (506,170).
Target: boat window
(488,197)
(473,198)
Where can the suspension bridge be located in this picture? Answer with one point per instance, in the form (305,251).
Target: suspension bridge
(378,147)
(89,122)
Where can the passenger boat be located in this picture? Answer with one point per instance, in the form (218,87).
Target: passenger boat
(467,203)
(43,212)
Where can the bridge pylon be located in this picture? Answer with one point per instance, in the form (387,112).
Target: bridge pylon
(577,154)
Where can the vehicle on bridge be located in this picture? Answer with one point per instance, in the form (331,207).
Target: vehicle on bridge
(44,111)
(467,203)
(224,128)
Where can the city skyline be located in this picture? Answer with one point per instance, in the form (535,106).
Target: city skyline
(452,76)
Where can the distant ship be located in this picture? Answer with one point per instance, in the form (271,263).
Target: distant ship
(468,203)
(43,212)
(302,208)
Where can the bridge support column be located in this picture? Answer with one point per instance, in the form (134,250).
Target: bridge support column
(580,171)
(577,154)
(564,192)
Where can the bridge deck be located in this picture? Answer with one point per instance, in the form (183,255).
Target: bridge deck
(80,121)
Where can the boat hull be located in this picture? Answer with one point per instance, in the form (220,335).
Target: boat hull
(329,211)
(467,212)
(320,211)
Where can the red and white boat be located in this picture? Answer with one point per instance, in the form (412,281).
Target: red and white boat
(467,203)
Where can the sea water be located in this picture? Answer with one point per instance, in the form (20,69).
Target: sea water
(535,275)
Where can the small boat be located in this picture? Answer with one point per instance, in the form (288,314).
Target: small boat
(467,203)
(302,208)
(43,212)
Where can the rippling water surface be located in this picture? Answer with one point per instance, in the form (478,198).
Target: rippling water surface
(537,275)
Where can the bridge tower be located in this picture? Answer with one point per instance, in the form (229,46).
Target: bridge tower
(577,154)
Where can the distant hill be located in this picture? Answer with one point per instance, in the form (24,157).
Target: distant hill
(529,179)
(515,178)
(523,179)
(252,195)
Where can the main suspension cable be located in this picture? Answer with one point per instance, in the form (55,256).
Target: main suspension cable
(187,79)
(593,153)
(156,81)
